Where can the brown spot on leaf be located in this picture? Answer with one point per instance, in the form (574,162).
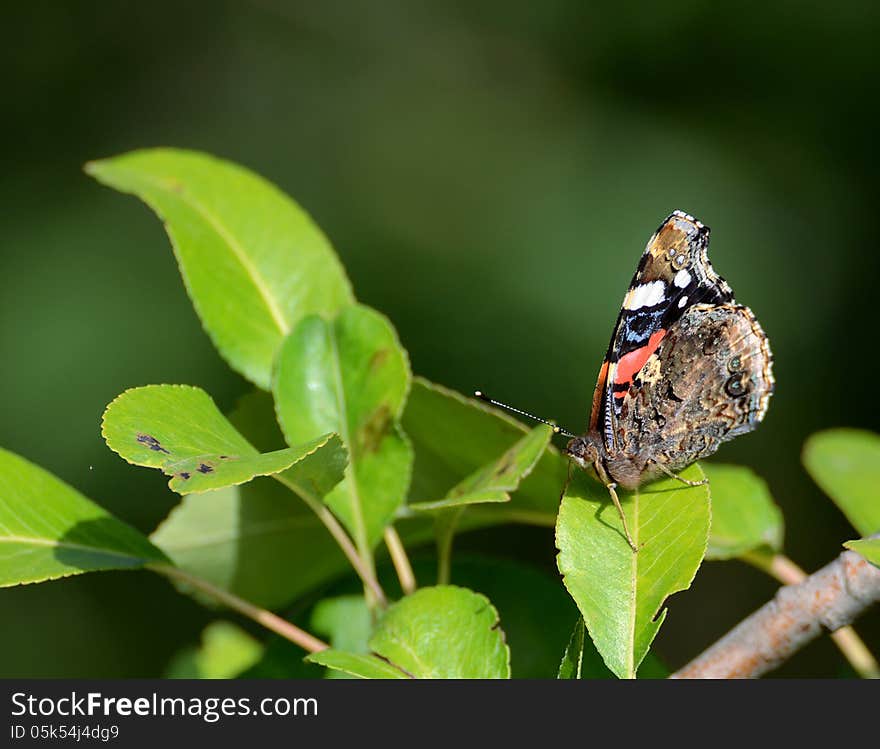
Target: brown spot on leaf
(184,475)
(205,468)
(375,428)
(150,441)
(379,358)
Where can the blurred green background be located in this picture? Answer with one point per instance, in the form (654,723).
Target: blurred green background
(489,174)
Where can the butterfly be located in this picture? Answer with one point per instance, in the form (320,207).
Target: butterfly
(687,368)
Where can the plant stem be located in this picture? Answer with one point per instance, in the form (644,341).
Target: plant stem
(444,554)
(264,617)
(364,571)
(783,569)
(367,575)
(401,560)
(446,524)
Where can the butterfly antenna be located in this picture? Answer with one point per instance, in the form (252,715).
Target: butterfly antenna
(557,429)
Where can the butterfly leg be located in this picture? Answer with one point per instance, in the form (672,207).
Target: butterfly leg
(675,476)
(611,490)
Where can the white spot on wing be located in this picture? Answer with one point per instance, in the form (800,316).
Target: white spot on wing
(646,295)
(682,279)
(683,301)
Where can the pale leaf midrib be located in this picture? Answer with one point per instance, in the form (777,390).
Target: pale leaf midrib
(63,545)
(634,571)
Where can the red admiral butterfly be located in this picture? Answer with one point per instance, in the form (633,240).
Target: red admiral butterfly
(687,368)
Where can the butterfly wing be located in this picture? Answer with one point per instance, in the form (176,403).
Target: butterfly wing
(673,275)
(709,382)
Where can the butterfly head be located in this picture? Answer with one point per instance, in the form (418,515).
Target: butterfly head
(585,450)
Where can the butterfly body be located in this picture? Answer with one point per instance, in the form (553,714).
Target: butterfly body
(687,367)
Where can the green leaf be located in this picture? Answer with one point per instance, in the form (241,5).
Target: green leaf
(845,463)
(571,666)
(472,498)
(621,593)
(50,530)
(444,632)
(351,376)
(494,481)
(488,484)
(253,262)
(346,622)
(869,548)
(356,664)
(744,515)
(256,541)
(180,430)
(225,652)
(536,610)
(454,436)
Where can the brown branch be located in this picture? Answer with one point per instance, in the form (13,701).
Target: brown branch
(847,640)
(269,620)
(827,600)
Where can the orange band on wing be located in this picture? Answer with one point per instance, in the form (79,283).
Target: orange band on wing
(598,393)
(632,362)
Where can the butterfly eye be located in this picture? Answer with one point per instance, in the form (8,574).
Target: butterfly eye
(735,387)
(735,364)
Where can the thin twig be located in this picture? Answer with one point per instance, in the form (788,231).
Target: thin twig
(401,560)
(266,618)
(853,647)
(826,600)
(847,640)
(367,575)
